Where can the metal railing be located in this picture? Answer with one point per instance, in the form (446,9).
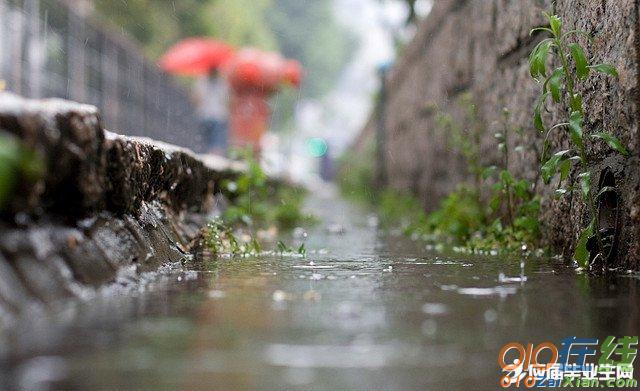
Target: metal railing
(49,49)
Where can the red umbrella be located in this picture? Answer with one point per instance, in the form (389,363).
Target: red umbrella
(195,56)
(255,69)
(292,73)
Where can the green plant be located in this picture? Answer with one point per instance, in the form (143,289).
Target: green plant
(220,239)
(512,197)
(458,217)
(394,208)
(282,248)
(465,135)
(260,203)
(287,212)
(250,190)
(498,212)
(16,162)
(560,85)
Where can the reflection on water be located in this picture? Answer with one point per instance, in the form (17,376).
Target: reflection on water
(362,311)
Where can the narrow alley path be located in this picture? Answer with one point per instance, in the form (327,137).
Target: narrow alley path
(363,311)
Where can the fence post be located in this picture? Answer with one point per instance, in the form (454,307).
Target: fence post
(76,60)
(16,36)
(3,39)
(110,96)
(35,48)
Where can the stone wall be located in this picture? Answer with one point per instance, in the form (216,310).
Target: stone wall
(482,46)
(106,208)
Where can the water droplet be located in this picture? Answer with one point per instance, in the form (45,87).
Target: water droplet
(216,294)
(490,316)
(434,309)
(429,327)
(279,296)
(312,295)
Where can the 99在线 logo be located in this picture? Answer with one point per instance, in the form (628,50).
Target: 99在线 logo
(579,362)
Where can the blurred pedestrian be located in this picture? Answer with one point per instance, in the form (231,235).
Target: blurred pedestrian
(212,100)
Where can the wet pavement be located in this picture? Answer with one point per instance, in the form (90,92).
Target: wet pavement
(364,311)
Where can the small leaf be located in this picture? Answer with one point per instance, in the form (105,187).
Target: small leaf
(605,68)
(506,177)
(499,136)
(556,24)
(576,102)
(550,167)
(580,59)
(494,204)
(537,116)
(9,167)
(581,254)
(521,188)
(546,146)
(282,248)
(612,141)
(585,184)
(488,172)
(576,159)
(527,223)
(16,162)
(555,84)
(565,167)
(538,58)
(256,245)
(540,29)
(537,119)
(302,250)
(575,128)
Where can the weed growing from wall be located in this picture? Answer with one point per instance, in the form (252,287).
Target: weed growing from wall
(220,239)
(17,163)
(513,202)
(497,212)
(257,205)
(559,87)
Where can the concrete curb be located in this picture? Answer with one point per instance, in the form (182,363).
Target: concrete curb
(106,203)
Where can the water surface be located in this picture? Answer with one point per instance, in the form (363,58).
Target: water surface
(364,311)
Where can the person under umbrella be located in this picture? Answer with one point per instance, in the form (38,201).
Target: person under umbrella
(254,76)
(202,57)
(212,102)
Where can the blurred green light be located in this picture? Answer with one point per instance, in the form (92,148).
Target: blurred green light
(317,147)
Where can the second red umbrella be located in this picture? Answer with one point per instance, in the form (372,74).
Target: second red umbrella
(252,69)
